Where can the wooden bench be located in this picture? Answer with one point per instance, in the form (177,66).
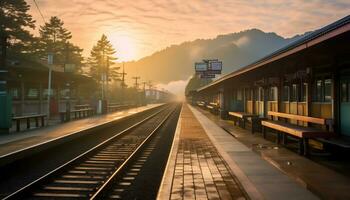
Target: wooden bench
(201,104)
(79,113)
(242,118)
(301,132)
(213,107)
(36,117)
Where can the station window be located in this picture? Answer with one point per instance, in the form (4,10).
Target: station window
(285,93)
(15,93)
(239,95)
(328,90)
(294,96)
(64,93)
(322,90)
(32,93)
(344,92)
(52,91)
(248,95)
(304,93)
(273,94)
(261,94)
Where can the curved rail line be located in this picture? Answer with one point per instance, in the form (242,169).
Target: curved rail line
(91,173)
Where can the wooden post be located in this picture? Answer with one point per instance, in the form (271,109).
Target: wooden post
(336,102)
(244,100)
(309,95)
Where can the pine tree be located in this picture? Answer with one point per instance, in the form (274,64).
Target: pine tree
(101,61)
(54,38)
(15,23)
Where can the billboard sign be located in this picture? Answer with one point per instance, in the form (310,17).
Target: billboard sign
(207,76)
(213,72)
(215,66)
(200,66)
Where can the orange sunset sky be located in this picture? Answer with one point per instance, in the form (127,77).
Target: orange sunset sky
(138,28)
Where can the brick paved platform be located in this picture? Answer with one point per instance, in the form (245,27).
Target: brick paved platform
(17,141)
(206,162)
(198,171)
(321,180)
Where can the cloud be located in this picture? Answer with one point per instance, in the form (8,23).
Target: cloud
(155,24)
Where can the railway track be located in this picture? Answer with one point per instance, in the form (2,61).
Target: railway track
(93,174)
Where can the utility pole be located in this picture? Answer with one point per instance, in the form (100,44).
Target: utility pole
(144,93)
(149,84)
(123,77)
(123,83)
(136,83)
(144,86)
(137,87)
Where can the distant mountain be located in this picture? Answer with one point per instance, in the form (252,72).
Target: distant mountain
(235,50)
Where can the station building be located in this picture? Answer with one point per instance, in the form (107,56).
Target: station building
(28,86)
(309,77)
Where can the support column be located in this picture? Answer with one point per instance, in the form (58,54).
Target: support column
(266,92)
(224,103)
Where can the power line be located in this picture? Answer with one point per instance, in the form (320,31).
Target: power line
(41,14)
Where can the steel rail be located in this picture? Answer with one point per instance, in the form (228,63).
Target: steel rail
(101,191)
(24,190)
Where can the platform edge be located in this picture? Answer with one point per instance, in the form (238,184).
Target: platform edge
(164,191)
(248,186)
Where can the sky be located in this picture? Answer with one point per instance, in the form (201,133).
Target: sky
(138,28)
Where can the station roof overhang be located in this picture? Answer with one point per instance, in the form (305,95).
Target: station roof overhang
(337,34)
(37,73)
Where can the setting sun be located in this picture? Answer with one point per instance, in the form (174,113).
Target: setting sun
(124,45)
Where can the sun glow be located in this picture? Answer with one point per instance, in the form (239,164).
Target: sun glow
(125,47)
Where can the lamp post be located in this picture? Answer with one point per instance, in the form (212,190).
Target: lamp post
(49,62)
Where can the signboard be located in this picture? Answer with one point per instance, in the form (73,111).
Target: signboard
(213,72)
(215,66)
(207,75)
(208,68)
(200,66)
(50,59)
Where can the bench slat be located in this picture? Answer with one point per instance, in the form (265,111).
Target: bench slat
(300,118)
(28,116)
(241,114)
(298,131)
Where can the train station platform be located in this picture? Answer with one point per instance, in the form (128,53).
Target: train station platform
(206,162)
(15,142)
(321,180)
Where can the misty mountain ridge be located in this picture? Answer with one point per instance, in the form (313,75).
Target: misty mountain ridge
(235,50)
